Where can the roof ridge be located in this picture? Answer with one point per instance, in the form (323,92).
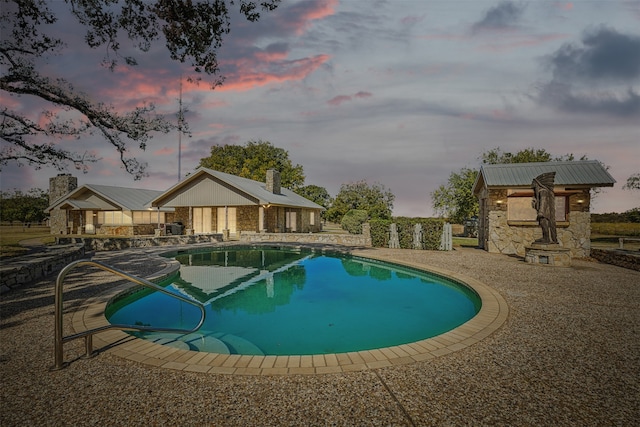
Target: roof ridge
(531,164)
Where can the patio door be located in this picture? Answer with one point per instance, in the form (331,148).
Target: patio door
(226,220)
(202,220)
(291,222)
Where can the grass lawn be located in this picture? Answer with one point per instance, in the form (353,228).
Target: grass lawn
(11,235)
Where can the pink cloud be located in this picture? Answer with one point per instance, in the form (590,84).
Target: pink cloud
(411,20)
(164,151)
(363,95)
(338,100)
(301,14)
(521,42)
(257,74)
(564,5)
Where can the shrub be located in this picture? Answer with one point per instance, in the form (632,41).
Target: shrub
(380,232)
(352,221)
(431,232)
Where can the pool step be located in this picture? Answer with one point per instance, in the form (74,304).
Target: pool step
(219,342)
(195,341)
(239,345)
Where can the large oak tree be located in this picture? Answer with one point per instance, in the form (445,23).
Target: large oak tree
(191,30)
(252,161)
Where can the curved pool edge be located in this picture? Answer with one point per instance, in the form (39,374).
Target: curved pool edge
(493,313)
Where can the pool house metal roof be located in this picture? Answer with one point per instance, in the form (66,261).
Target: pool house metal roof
(578,174)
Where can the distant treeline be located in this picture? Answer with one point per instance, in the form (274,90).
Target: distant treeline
(632,215)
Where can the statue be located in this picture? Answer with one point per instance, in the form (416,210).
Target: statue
(394,242)
(544,202)
(417,236)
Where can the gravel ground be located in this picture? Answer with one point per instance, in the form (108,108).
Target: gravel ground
(568,354)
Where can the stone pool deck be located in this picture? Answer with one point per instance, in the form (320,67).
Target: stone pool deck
(568,353)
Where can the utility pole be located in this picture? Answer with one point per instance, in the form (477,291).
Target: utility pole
(180,123)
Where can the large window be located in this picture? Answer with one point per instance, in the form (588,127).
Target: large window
(521,209)
(148,217)
(130,218)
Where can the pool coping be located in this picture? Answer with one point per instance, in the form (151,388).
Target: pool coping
(492,315)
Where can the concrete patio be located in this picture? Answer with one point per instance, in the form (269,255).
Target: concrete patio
(567,354)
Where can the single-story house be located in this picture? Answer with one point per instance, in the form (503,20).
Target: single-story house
(211,201)
(507,220)
(107,210)
(205,202)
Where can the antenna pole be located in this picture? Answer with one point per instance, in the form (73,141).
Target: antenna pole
(180,121)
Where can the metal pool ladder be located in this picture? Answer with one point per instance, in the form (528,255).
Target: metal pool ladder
(88,335)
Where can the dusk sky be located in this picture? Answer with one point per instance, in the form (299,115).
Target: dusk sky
(398,93)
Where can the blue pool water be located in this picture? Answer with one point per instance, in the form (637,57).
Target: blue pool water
(288,302)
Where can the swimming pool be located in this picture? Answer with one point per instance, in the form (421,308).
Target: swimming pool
(278,301)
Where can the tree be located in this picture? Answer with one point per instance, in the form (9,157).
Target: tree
(633,182)
(316,194)
(528,155)
(253,160)
(375,199)
(23,207)
(455,200)
(192,31)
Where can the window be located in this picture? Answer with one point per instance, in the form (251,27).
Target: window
(114,217)
(291,221)
(312,218)
(148,217)
(521,209)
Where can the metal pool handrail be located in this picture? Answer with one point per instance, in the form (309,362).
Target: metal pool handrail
(88,335)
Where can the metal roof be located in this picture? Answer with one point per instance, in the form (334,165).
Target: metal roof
(256,189)
(130,199)
(583,173)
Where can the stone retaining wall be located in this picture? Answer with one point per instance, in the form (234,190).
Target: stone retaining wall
(19,271)
(617,257)
(320,238)
(115,244)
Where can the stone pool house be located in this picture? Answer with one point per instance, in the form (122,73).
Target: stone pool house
(206,202)
(507,221)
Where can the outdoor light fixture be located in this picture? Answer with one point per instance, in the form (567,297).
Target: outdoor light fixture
(499,202)
(580,201)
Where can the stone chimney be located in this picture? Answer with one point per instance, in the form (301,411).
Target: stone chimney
(273,181)
(60,186)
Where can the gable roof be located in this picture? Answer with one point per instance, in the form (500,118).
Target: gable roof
(106,197)
(583,173)
(254,189)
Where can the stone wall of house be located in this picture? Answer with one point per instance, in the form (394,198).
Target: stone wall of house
(275,219)
(181,214)
(247,218)
(512,239)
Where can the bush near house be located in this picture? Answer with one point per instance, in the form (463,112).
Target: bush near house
(431,232)
(352,221)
